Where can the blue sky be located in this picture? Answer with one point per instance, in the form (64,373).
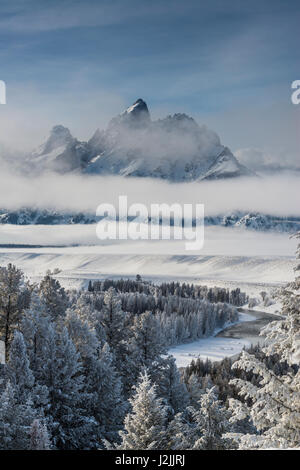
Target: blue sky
(229,64)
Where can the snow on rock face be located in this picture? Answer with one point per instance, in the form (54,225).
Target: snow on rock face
(59,136)
(138,109)
(175,148)
(61,152)
(135,117)
(225,166)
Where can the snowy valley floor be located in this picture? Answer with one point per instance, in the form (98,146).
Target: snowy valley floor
(229,257)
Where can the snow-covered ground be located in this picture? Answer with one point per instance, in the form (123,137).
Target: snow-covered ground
(213,348)
(221,241)
(230,257)
(275,308)
(78,265)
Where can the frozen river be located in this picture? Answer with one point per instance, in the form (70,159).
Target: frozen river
(226,343)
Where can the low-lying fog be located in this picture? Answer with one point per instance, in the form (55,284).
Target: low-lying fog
(276,195)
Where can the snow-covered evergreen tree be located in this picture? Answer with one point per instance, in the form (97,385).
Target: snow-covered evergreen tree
(101,384)
(19,371)
(202,428)
(58,372)
(147,339)
(275,402)
(113,319)
(54,297)
(36,327)
(182,431)
(212,423)
(195,391)
(145,425)
(169,385)
(15,420)
(62,375)
(39,437)
(116,326)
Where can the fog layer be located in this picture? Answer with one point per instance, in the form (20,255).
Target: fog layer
(277,195)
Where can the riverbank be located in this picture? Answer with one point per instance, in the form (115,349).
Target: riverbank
(249,329)
(226,343)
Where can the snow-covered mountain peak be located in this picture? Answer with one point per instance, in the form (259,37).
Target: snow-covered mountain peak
(175,148)
(61,152)
(59,136)
(136,116)
(139,106)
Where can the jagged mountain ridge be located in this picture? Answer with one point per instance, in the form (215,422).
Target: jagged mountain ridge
(175,148)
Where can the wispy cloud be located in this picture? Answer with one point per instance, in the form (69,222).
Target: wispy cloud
(36,16)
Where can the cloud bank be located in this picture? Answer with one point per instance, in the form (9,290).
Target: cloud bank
(276,195)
